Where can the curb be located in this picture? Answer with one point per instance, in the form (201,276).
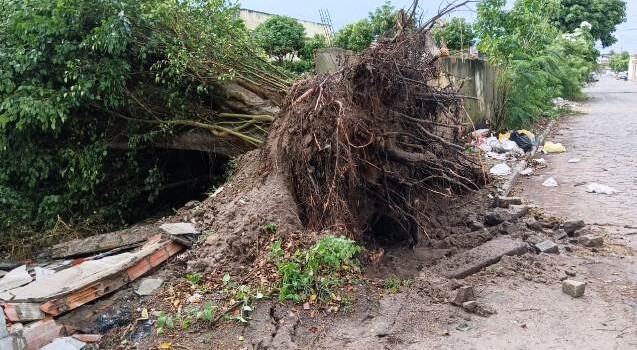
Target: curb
(508,185)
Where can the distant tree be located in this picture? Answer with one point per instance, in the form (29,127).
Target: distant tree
(603,15)
(280,36)
(458,34)
(359,35)
(311,44)
(619,63)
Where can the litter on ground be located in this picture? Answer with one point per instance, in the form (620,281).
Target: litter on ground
(550,147)
(600,189)
(500,170)
(574,160)
(550,182)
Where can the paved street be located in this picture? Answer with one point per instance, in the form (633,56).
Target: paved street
(605,139)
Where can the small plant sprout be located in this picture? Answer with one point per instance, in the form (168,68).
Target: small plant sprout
(194,278)
(270,227)
(163,321)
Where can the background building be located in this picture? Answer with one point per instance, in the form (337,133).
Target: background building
(253,18)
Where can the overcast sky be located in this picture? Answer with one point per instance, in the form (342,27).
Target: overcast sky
(347,11)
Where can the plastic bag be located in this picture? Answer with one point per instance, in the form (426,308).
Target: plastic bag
(550,147)
(601,189)
(550,182)
(500,170)
(523,141)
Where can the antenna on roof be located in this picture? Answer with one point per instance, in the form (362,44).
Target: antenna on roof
(326,21)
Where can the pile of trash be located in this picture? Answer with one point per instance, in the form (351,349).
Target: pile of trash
(507,145)
(72,274)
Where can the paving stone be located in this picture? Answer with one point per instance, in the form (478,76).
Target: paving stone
(40,333)
(469,262)
(571,226)
(500,215)
(573,288)
(548,247)
(463,294)
(591,241)
(148,286)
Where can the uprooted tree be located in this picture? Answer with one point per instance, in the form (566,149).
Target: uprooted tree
(367,152)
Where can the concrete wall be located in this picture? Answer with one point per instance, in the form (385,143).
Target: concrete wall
(331,59)
(252,19)
(632,68)
(478,80)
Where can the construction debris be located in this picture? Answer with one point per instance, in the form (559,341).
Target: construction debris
(131,238)
(61,287)
(474,260)
(570,227)
(148,286)
(477,308)
(463,294)
(573,288)
(547,247)
(591,241)
(15,278)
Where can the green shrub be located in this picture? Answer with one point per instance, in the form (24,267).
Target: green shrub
(317,270)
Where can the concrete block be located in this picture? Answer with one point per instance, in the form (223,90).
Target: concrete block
(571,226)
(469,262)
(500,215)
(548,247)
(505,202)
(463,294)
(573,288)
(591,241)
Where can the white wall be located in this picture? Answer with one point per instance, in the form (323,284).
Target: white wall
(632,68)
(253,18)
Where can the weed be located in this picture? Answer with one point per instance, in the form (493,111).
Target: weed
(194,278)
(207,313)
(270,227)
(393,284)
(317,270)
(163,321)
(276,252)
(347,303)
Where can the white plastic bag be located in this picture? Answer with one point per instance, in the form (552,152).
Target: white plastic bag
(500,170)
(601,189)
(550,182)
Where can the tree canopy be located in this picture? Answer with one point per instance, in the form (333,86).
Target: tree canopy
(619,62)
(280,36)
(457,34)
(359,35)
(603,15)
(77,76)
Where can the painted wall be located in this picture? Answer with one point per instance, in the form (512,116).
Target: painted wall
(253,18)
(632,68)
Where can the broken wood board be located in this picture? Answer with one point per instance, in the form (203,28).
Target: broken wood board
(80,284)
(101,243)
(467,263)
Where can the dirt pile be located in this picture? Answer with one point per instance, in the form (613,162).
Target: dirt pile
(368,152)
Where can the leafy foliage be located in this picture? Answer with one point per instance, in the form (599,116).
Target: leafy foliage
(315,271)
(603,15)
(312,44)
(537,60)
(457,35)
(359,35)
(280,36)
(619,62)
(77,74)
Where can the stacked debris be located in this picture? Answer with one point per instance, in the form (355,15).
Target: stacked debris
(32,296)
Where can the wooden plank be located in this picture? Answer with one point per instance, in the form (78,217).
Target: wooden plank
(102,243)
